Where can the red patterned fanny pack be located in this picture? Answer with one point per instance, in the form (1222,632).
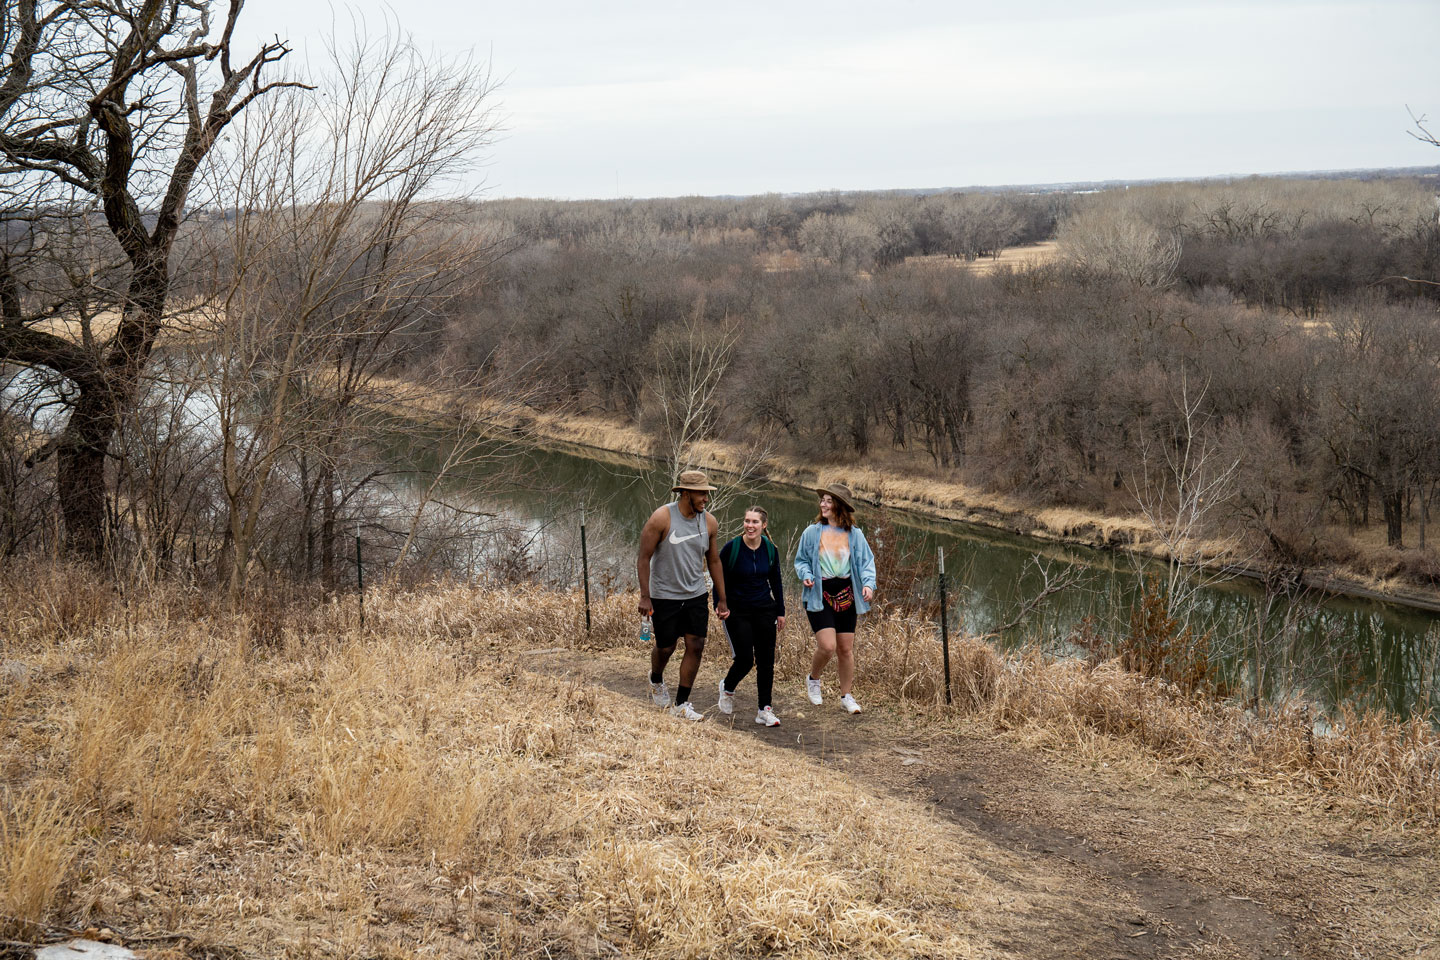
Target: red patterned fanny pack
(842,599)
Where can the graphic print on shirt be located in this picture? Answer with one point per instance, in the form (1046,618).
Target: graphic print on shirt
(834,553)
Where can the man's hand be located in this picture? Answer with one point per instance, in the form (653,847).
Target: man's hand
(722,610)
(647,609)
(779,624)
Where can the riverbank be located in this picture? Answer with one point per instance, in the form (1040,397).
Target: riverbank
(913,487)
(470,774)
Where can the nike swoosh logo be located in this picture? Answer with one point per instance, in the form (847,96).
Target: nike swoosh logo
(682,539)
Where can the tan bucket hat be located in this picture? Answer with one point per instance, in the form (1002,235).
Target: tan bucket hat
(692,480)
(840,492)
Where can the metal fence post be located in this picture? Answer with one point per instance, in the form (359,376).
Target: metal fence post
(360,579)
(944,627)
(585,569)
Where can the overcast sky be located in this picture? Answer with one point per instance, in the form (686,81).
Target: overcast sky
(651,98)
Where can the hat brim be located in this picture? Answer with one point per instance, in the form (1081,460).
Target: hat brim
(838,496)
(694,489)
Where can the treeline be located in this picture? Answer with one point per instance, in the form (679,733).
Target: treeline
(1163,328)
(833,326)
(862,231)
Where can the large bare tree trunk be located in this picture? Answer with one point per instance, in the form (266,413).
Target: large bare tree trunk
(118,104)
(80,462)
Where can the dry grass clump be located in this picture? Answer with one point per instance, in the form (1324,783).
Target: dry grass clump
(36,848)
(1369,757)
(282,783)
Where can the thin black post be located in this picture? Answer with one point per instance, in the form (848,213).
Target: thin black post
(360,579)
(585,569)
(944,627)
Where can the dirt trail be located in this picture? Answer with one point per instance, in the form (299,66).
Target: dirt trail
(1117,861)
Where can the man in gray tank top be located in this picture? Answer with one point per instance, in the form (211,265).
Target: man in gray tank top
(677,544)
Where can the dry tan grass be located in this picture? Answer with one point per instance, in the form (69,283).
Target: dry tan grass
(283,783)
(36,848)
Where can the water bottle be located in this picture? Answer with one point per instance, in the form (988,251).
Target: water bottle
(647,630)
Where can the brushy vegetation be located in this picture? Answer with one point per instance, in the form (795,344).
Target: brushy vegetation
(834,329)
(279,779)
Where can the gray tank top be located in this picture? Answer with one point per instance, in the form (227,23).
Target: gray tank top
(677,567)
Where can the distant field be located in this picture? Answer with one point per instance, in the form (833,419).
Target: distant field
(1028,255)
(1022,256)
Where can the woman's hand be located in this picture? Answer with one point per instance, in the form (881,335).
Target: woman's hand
(808,582)
(868,593)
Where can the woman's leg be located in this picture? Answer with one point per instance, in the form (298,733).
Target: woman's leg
(741,631)
(845,654)
(764,660)
(824,650)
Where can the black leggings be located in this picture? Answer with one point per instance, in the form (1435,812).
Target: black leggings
(752,643)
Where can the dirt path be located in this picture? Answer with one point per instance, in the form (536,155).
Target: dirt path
(1123,859)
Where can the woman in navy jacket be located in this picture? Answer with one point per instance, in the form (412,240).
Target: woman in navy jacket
(837,568)
(750,565)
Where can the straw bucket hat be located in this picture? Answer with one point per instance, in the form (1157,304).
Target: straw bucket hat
(692,480)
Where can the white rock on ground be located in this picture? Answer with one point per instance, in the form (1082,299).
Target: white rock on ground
(84,950)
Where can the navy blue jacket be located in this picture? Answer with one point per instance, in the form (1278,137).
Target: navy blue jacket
(752,577)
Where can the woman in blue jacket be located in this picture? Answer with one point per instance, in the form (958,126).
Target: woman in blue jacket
(837,569)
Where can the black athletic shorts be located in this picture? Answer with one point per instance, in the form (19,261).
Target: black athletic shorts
(839,613)
(680,618)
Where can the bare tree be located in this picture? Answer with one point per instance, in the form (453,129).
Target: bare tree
(108,110)
(336,259)
(1118,242)
(1181,491)
(692,360)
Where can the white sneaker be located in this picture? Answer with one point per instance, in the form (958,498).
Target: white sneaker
(727,700)
(848,702)
(685,711)
(659,694)
(812,690)
(767,717)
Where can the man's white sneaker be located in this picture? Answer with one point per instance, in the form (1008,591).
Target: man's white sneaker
(812,690)
(767,717)
(685,711)
(659,694)
(727,700)
(848,702)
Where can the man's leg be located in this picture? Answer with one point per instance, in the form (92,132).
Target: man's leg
(659,657)
(689,666)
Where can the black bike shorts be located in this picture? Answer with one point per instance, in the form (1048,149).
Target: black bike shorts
(839,613)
